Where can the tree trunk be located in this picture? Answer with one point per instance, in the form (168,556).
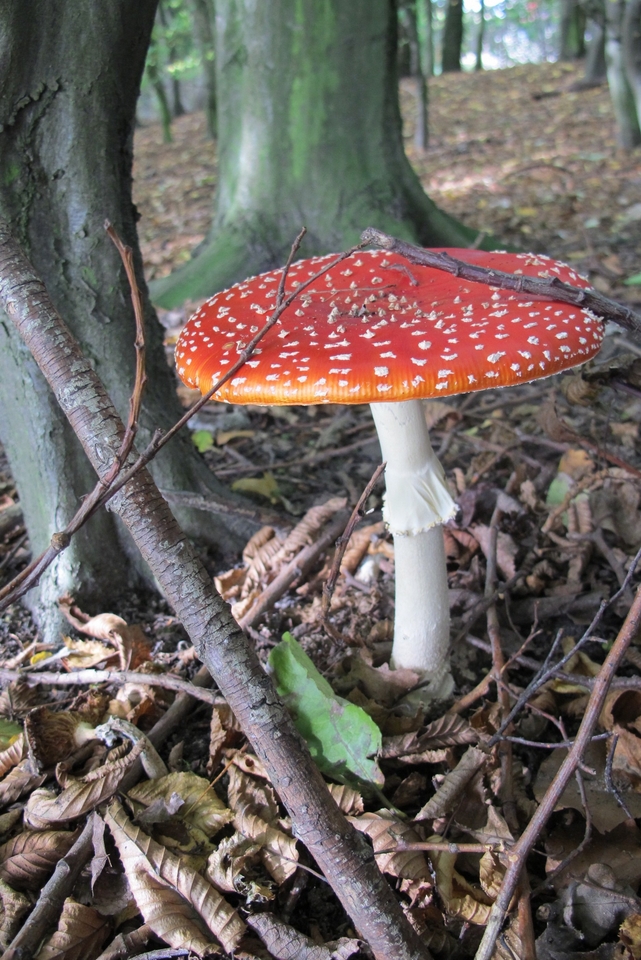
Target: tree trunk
(70,75)
(621,94)
(421,131)
(632,51)
(452,37)
(203,18)
(309,134)
(572,30)
(426,32)
(478,64)
(595,67)
(163,103)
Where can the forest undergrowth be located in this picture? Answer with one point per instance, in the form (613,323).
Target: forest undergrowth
(541,561)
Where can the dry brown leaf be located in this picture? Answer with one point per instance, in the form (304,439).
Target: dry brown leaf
(350,801)
(286,943)
(306,529)
(358,546)
(201,806)
(224,733)
(14,907)
(12,756)
(80,935)
(605,811)
(228,863)
(29,859)
(278,851)
(630,937)
(460,898)
(385,831)
(453,784)
(245,792)
(127,945)
(19,780)
(381,684)
(81,795)
(448,731)
(18,698)
(145,861)
(85,654)
(130,642)
(506,548)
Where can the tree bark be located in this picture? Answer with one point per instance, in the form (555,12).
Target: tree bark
(426,32)
(343,855)
(309,134)
(595,67)
(452,37)
(70,75)
(632,51)
(480,36)
(204,20)
(621,93)
(573,20)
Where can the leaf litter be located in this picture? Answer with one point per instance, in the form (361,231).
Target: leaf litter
(203,856)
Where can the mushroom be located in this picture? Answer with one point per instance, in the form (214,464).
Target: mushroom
(377,330)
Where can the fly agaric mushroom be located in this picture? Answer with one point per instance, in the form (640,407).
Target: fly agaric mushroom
(377,330)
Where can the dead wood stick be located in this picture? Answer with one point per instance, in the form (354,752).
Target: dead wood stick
(52,896)
(86,677)
(344,857)
(519,853)
(295,570)
(554,289)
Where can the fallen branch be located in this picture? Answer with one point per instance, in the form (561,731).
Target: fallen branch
(553,288)
(344,857)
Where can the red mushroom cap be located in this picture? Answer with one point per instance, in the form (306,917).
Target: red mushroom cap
(376,328)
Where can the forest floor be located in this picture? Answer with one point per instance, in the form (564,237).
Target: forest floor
(534,162)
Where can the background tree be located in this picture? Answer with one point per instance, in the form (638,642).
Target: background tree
(623,56)
(409,21)
(572,36)
(70,76)
(452,36)
(424,17)
(204,20)
(309,133)
(480,35)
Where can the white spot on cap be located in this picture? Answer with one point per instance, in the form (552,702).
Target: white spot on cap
(238,380)
(495,357)
(381,371)
(425,345)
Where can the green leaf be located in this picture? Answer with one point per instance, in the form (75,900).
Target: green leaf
(633,280)
(8,732)
(341,737)
(265,486)
(202,440)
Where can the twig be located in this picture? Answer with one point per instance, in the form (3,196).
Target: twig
(213,504)
(338,850)
(86,677)
(609,783)
(295,569)
(554,288)
(330,584)
(520,852)
(52,896)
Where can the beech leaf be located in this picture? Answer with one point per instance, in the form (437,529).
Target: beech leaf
(201,806)
(29,859)
(342,738)
(80,935)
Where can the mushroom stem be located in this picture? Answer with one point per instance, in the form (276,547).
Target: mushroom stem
(417,502)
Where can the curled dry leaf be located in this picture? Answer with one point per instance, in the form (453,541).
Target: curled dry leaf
(14,906)
(52,737)
(130,643)
(12,756)
(278,851)
(128,944)
(85,654)
(29,859)
(18,698)
(229,862)
(459,897)
(448,731)
(454,783)
(155,874)
(349,801)
(224,733)
(286,943)
(621,715)
(630,936)
(80,796)
(244,791)
(385,831)
(201,807)
(80,935)
(19,780)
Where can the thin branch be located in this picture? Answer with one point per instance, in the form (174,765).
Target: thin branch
(554,288)
(518,855)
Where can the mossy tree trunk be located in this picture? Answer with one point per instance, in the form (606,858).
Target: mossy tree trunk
(204,19)
(452,37)
(309,134)
(70,74)
(573,21)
